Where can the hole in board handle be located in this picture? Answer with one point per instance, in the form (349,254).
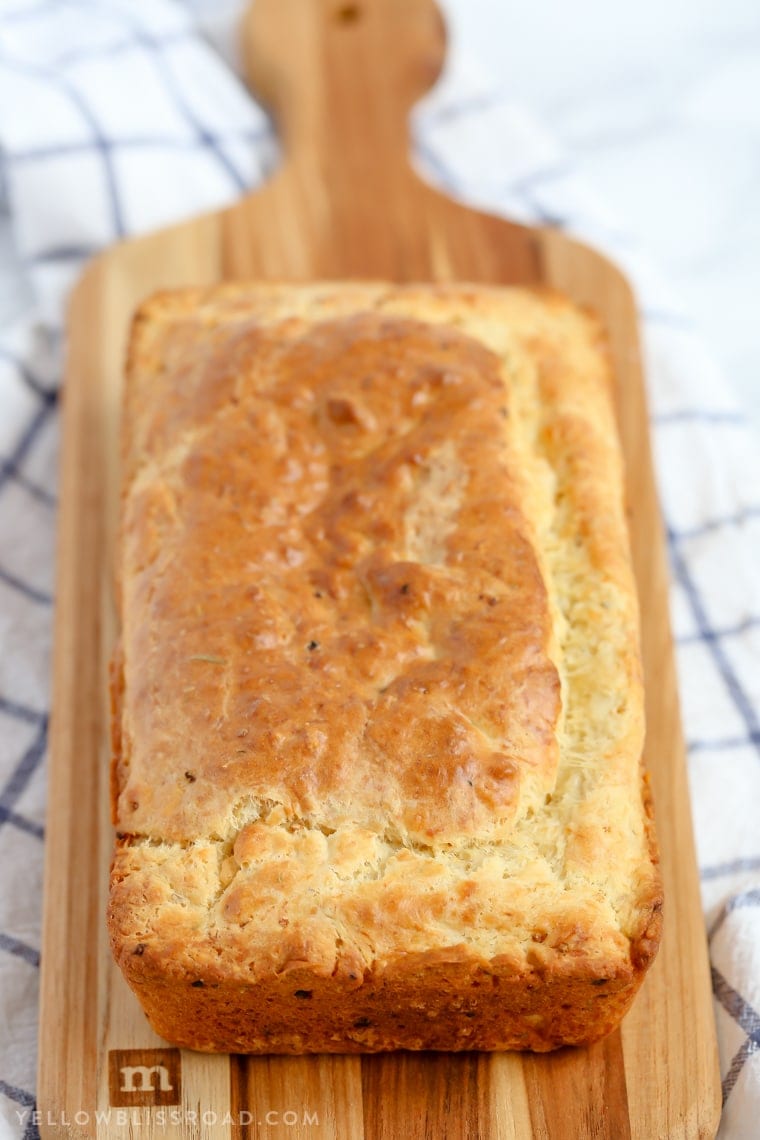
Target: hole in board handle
(348,13)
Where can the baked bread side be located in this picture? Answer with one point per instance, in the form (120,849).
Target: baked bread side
(378,710)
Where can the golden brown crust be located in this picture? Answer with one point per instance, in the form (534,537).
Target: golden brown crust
(378,711)
(432,1001)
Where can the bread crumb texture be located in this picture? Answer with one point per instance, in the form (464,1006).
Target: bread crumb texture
(378,709)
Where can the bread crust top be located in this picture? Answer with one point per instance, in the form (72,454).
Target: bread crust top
(378,691)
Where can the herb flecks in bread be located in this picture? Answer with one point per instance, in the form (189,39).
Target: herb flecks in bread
(376,599)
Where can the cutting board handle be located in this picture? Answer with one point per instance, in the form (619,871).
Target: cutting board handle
(340,77)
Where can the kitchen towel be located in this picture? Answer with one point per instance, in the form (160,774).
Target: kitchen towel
(117,116)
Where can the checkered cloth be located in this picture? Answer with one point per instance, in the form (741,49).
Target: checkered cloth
(116,117)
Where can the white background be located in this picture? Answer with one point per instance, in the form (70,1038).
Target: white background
(658,104)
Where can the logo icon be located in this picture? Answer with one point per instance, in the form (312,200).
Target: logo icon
(144,1077)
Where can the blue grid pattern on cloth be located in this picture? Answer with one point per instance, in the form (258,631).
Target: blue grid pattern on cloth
(39,56)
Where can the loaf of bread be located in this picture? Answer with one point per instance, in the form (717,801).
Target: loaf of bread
(377,700)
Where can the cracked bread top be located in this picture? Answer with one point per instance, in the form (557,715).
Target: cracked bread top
(378,690)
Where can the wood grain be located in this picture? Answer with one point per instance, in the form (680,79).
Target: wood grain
(340,78)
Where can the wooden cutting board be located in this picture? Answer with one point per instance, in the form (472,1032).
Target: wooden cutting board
(341,77)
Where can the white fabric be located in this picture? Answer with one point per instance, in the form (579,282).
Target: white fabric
(116,117)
